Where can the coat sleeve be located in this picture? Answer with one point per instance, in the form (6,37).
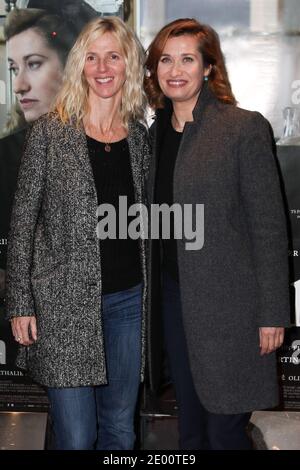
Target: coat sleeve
(26,207)
(266,220)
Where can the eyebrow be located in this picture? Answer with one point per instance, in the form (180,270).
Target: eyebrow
(184,54)
(108,52)
(26,57)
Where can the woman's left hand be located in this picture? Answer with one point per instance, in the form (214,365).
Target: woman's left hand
(270,338)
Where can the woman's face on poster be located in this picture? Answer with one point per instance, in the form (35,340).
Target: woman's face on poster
(37,72)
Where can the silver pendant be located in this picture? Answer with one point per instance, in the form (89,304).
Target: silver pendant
(107,148)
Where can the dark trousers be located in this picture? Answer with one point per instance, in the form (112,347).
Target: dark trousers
(198,428)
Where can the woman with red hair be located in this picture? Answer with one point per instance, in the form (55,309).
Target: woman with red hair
(224,306)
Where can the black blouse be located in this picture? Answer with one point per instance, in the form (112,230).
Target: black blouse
(164,194)
(120,260)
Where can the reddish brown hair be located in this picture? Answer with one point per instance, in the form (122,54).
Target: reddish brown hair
(209,47)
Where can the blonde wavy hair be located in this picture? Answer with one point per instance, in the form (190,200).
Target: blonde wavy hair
(71,103)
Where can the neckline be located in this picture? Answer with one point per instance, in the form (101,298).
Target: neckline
(105,143)
(175,131)
(179,133)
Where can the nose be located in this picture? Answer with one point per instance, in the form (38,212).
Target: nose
(101,65)
(21,83)
(175,69)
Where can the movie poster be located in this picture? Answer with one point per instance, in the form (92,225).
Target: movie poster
(289,354)
(36,37)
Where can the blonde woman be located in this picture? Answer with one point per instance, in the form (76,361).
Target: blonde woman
(76,300)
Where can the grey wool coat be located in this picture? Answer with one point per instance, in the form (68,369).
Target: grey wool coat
(54,258)
(238,281)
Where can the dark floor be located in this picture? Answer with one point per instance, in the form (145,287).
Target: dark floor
(269,430)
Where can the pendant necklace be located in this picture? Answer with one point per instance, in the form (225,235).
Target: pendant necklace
(107,147)
(107,143)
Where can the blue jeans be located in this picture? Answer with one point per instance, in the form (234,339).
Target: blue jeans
(102,417)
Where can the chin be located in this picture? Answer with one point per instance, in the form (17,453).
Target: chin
(177,95)
(31,117)
(179,99)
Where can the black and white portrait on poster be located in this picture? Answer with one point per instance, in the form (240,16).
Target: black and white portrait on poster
(36,37)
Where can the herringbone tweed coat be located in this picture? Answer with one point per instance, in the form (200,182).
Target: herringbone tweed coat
(54,258)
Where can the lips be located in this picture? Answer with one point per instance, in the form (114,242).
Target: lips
(104,80)
(27,102)
(176,83)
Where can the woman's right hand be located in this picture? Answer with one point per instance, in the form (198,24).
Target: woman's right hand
(24,330)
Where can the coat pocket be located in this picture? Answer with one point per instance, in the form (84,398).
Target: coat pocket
(49,288)
(39,274)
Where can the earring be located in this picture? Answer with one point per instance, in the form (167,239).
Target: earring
(206,78)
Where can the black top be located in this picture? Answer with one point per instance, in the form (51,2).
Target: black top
(164,194)
(120,261)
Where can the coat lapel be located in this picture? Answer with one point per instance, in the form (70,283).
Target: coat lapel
(157,132)
(134,144)
(74,140)
(205,104)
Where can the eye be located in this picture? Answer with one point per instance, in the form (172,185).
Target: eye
(114,56)
(165,60)
(188,59)
(90,58)
(34,65)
